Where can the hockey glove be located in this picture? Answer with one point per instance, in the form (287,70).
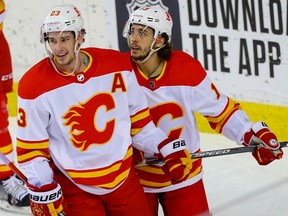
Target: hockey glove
(178,162)
(138,156)
(47,200)
(268,147)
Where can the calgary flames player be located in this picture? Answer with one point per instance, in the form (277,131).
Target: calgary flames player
(15,191)
(79,111)
(176,87)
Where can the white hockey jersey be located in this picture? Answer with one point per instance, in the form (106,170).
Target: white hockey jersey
(182,89)
(84,123)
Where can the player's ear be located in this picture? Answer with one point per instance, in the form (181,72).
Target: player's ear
(81,38)
(159,41)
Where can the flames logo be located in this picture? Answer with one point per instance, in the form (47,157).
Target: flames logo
(82,120)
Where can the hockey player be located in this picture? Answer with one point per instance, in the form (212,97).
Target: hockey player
(177,86)
(78,112)
(13,187)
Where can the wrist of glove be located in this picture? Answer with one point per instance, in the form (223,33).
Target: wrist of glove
(138,156)
(178,162)
(268,147)
(47,200)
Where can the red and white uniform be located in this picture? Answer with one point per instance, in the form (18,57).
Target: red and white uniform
(6,77)
(85,126)
(182,89)
(6,86)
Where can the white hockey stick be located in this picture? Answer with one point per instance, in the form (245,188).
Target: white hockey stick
(13,167)
(212,153)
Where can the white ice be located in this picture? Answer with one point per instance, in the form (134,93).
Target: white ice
(235,184)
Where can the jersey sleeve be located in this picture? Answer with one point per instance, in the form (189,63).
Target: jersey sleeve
(146,136)
(32,140)
(223,113)
(32,128)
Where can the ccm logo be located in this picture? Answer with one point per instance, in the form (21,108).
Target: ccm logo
(46,198)
(6,77)
(179,143)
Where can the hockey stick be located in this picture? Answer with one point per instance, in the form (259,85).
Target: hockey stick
(13,167)
(212,153)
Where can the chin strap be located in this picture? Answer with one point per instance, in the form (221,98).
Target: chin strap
(51,56)
(152,50)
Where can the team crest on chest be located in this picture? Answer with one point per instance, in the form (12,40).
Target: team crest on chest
(83,121)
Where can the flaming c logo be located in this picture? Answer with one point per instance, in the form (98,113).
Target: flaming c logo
(82,120)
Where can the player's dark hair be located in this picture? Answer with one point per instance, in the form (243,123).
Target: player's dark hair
(165,52)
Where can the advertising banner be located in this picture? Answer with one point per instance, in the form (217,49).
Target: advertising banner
(242,44)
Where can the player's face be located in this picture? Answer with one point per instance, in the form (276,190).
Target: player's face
(62,47)
(140,39)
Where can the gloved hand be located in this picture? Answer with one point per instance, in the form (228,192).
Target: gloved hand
(178,162)
(268,147)
(138,156)
(47,200)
